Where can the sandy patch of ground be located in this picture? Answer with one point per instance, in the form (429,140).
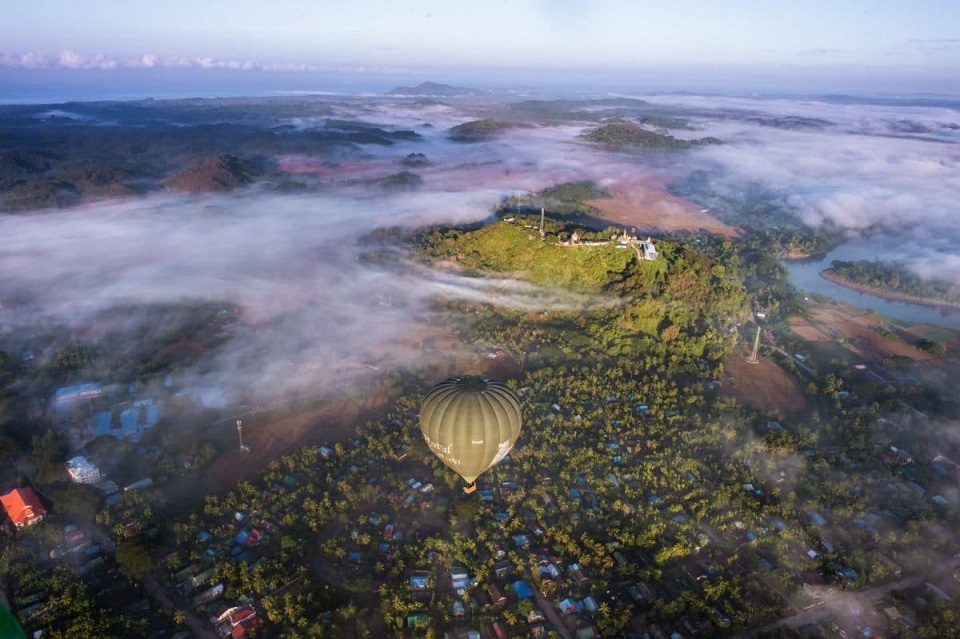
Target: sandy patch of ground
(764,385)
(643,202)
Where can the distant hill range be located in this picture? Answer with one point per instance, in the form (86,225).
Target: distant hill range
(433,89)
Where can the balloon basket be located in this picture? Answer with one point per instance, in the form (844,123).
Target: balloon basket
(469,488)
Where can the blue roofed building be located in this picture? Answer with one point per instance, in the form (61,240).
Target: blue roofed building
(419,582)
(103,425)
(460,578)
(129,424)
(522,590)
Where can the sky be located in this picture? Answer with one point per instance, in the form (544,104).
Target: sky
(874,37)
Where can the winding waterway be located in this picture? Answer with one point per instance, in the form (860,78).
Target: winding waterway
(805,275)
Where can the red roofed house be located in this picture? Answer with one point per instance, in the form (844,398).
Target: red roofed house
(242,614)
(252,539)
(241,631)
(23,506)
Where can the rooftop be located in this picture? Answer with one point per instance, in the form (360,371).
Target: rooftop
(23,506)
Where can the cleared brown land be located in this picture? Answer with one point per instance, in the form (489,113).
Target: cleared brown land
(271,437)
(764,385)
(643,202)
(832,322)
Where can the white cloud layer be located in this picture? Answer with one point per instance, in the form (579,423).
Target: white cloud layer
(68,59)
(316,316)
(890,171)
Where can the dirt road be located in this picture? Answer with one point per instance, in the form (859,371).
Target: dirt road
(550,612)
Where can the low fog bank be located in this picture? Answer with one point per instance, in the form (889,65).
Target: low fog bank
(313,313)
(889,173)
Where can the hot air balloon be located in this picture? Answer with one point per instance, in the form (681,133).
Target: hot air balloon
(470,423)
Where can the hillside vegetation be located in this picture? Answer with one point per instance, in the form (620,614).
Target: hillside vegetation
(218,173)
(663,298)
(895,278)
(629,135)
(507,248)
(185,145)
(561,200)
(432,89)
(402,181)
(477,130)
(575,191)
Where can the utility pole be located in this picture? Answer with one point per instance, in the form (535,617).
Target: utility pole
(756,348)
(542,235)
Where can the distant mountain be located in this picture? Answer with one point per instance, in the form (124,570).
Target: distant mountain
(218,173)
(433,89)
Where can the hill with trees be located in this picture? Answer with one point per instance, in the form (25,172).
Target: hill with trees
(477,130)
(434,89)
(664,298)
(893,280)
(218,173)
(575,191)
(401,181)
(628,135)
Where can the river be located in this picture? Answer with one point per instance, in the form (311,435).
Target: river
(805,275)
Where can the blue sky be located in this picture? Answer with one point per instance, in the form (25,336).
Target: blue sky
(553,34)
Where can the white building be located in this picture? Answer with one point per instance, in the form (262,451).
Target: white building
(649,250)
(82,471)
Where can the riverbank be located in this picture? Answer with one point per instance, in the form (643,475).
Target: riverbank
(885,294)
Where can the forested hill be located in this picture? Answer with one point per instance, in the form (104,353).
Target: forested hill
(477,130)
(680,291)
(433,89)
(218,173)
(629,135)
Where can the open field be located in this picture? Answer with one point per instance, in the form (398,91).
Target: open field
(274,438)
(763,385)
(271,437)
(643,202)
(859,331)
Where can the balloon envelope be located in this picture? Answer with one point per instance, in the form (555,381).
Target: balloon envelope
(470,423)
